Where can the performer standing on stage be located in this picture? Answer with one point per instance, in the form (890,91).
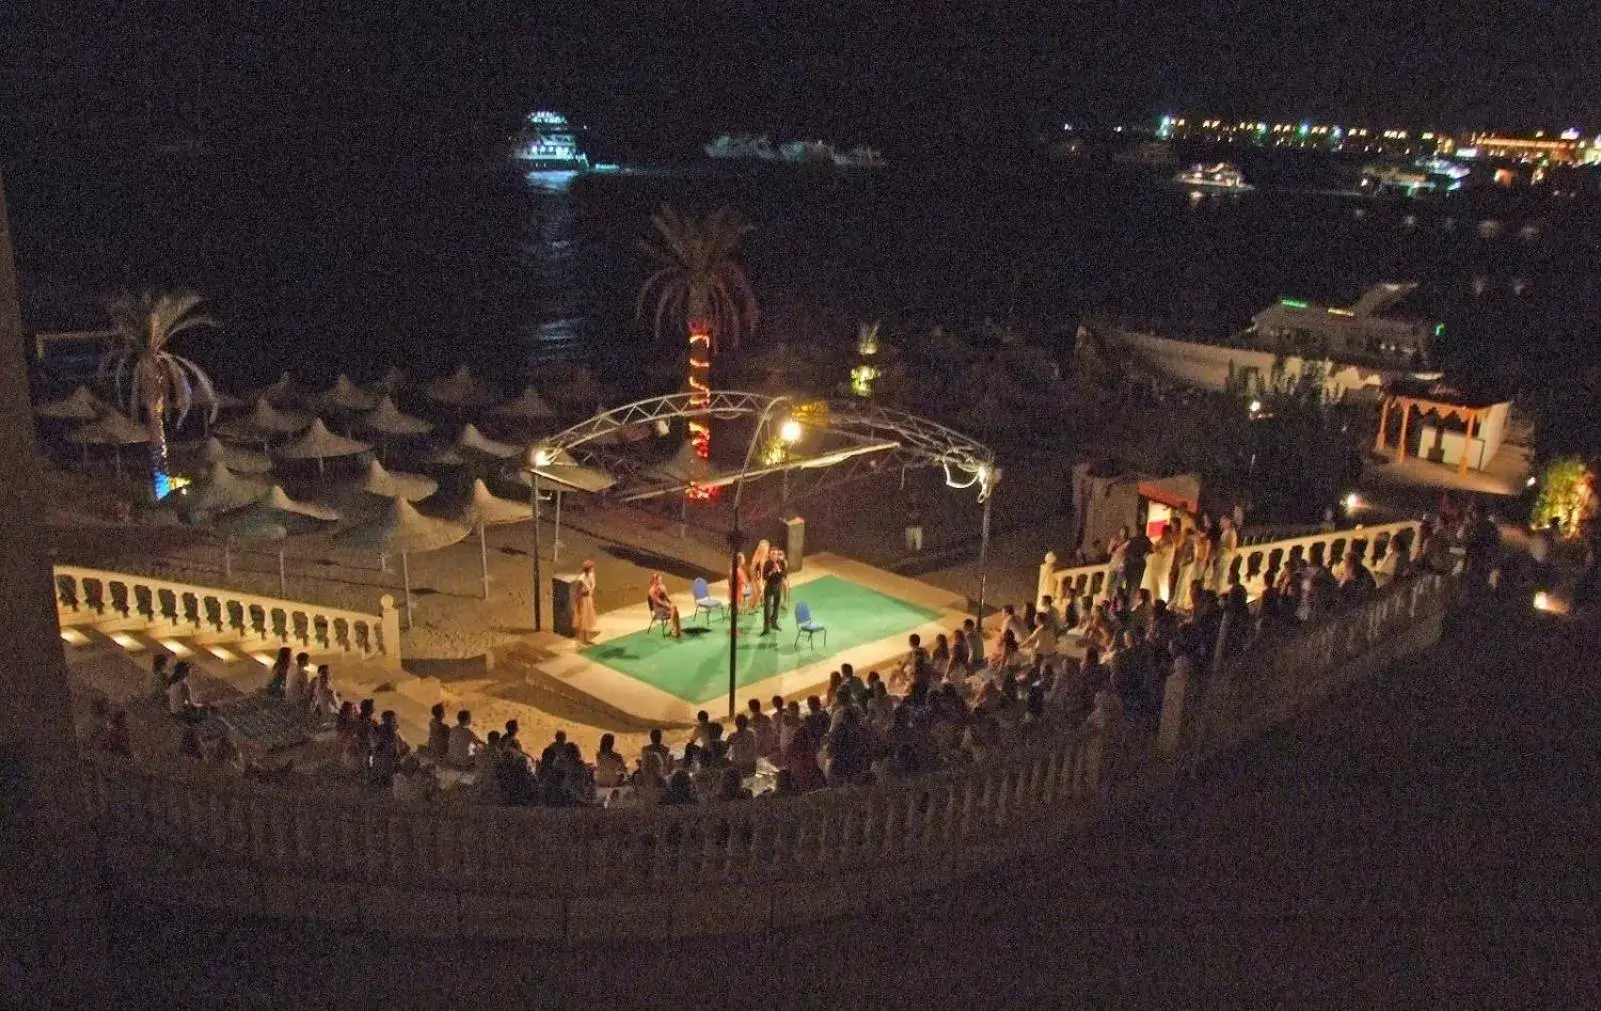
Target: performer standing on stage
(584,603)
(774,573)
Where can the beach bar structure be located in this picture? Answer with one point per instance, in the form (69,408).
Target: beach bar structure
(1474,445)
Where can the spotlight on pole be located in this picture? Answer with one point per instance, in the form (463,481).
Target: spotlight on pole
(790,431)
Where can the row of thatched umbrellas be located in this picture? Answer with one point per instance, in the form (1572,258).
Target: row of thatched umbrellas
(240,506)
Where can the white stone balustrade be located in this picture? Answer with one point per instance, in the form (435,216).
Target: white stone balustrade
(170,608)
(1256,564)
(199,836)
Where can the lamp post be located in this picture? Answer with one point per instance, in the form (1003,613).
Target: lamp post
(537,458)
(991,477)
(790,434)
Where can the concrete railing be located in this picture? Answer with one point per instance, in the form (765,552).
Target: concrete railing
(1286,672)
(205,837)
(198,836)
(1256,565)
(211,614)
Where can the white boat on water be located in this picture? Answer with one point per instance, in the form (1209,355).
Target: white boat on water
(757,147)
(547,145)
(1221,176)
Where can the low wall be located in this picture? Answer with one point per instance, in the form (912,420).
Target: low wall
(1213,367)
(204,838)
(209,613)
(1256,565)
(1294,672)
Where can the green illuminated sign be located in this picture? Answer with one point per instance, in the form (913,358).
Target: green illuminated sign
(1293,303)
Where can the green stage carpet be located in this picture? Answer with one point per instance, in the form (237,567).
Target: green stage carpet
(696,668)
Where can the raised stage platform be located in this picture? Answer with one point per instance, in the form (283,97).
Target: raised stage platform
(868,614)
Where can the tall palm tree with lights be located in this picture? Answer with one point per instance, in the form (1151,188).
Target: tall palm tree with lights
(697,285)
(147,377)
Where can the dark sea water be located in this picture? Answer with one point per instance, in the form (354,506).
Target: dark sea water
(327,257)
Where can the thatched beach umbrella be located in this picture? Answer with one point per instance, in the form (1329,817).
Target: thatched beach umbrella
(280,393)
(240,461)
(271,518)
(221,490)
(581,391)
(529,408)
(485,510)
(318,443)
(346,397)
(390,383)
(471,446)
(112,428)
(80,405)
(396,484)
(685,467)
(460,390)
(264,423)
(388,420)
(401,528)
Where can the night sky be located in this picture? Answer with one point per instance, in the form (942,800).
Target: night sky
(903,76)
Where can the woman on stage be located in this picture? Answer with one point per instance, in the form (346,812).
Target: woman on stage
(662,606)
(584,603)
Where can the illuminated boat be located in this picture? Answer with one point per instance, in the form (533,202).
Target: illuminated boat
(1222,176)
(548,145)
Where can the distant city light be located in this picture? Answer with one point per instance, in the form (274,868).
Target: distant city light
(1543,601)
(1531,481)
(1353,502)
(1256,407)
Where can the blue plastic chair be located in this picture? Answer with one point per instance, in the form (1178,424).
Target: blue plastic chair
(805,625)
(704,601)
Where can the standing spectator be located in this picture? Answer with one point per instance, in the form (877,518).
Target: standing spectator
(296,684)
(914,524)
(1135,553)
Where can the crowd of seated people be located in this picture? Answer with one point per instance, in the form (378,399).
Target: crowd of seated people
(1097,665)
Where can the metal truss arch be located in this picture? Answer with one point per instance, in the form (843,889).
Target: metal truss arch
(920,442)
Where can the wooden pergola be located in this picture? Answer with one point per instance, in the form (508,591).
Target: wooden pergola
(1471,417)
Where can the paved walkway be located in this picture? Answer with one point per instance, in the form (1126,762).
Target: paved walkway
(1431,840)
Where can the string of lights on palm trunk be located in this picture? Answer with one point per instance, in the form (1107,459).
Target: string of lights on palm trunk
(698,381)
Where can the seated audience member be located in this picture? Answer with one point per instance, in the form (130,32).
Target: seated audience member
(113,737)
(438,735)
(180,700)
(730,787)
(324,700)
(742,747)
(278,680)
(658,749)
(461,743)
(610,769)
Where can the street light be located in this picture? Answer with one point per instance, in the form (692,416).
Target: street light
(790,435)
(539,457)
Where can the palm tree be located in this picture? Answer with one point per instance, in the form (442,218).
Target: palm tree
(697,283)
(146,377)
(699,286)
